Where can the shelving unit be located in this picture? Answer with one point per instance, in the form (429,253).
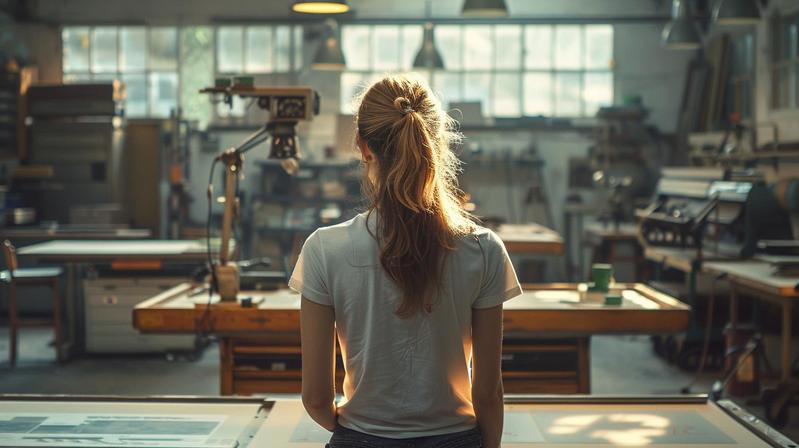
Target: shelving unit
(289,208)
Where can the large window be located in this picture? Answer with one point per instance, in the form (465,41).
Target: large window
(512,70)
(164,67)
(785,62)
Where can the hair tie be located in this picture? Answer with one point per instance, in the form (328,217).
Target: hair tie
(403,105)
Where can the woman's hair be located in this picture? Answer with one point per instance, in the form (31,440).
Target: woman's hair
(415,189)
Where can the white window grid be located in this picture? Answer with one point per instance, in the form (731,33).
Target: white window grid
(493,72)
(784,64)
(150,74)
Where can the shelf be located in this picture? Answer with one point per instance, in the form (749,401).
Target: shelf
(289,199)
(264,230)
(330,164)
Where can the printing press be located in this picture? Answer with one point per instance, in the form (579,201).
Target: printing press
(721,213)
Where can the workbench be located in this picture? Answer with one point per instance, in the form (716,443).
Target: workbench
(139,269)
(530,239)
(530,421)
(614,245)
(757,279)
(546,348)
(28,234)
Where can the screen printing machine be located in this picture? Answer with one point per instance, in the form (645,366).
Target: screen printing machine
(730,225)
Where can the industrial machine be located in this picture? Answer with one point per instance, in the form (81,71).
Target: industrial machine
(286,106)
(721,211)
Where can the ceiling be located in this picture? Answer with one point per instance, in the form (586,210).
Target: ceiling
(204,11)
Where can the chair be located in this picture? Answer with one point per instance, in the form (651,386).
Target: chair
(41,276)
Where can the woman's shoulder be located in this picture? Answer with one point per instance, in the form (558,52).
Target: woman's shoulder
(343,240)
(482,238)
(482,234)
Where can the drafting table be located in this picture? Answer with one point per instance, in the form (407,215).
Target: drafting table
(530,421)
(530,239)
(131,258)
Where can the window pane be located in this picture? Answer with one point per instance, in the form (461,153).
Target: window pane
(283,48)
(597,92)
(196,72)
(507,95)
(355,45)
(568,47)
(104,49)
(237,108)
(132,49)
(478,47)
(76,49)
(163,48)
(136,94)
(448,40)
(448,87)
(77,78)
(567,94)
(411,43)
(538,94)
(598,46)
(351,85)
(508,46)
(163,89)
(104,78)
(538,46)
(298,45)
(385,42)
(477,87)
(229,51)
(259,50)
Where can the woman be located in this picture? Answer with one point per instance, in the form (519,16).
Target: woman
(413,289)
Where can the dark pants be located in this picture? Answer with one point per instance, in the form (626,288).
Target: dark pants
(347,438)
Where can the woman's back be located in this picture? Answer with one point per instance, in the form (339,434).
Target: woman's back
(406,377)
(413,289)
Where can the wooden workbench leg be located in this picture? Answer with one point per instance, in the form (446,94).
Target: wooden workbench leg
(584,365)
(733,308)
(71,309)
(225,366)
(57,330)
(787,317)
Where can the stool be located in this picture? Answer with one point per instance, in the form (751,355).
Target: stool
(15,276)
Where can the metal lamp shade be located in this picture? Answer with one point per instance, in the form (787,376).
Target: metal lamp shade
(681,32)
(320,6)
(681,35)
(484,8)
(736,12)
(428,56)
(330,56)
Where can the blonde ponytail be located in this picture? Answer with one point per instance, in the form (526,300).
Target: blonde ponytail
(415,191)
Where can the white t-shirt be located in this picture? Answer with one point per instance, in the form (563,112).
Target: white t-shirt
(404,377)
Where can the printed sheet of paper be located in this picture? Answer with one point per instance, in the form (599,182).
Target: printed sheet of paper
(92,430)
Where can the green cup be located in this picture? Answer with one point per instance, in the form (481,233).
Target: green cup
(601,274)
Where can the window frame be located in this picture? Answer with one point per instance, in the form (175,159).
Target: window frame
(777,63)
(295,62)
(519,73)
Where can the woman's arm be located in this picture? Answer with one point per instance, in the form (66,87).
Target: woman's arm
(317,328)
(487,392)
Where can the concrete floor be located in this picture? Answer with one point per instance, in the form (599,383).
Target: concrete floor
(619,365)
